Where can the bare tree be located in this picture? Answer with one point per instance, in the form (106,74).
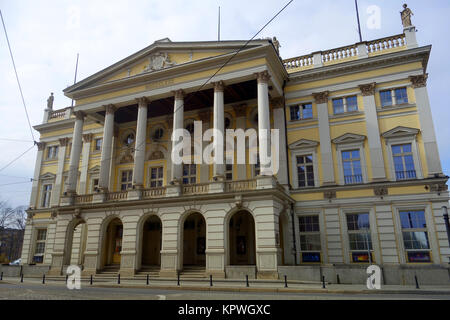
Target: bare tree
(12,217)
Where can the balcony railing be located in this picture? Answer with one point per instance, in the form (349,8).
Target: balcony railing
(153,193)
(241,185)
(83,198)
(354,179)
(199,188)
(115,196)
(405,175)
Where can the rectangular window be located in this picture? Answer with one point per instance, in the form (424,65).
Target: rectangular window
(52,152)
(403,162)
(189,173)
(40,245)
(351,163)
(156,177)
(301,112)
(126,180)
(310,245)
(386,98)
(360,242)
(46,194)
(229,172)
(95,185)
(415,236)
(347,104)
(393,97)
(401,96)
(305,171)
(98,144)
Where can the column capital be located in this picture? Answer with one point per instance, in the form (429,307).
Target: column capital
(178,94)
(87,137)
(41,145)
(219,86)
(419,81)
(79,115)
(263,77)
(277,103)
(368,89)
(110,109)
(240,110)
(142,101)
(64,142)
(321,97)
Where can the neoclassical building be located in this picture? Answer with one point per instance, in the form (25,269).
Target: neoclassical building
(360,179)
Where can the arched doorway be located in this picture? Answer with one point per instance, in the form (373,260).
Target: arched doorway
(112,243)
(241,237)
(151,242)
(194,240)
(75,244)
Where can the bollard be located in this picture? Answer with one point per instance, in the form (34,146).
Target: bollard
(21,277)
(417,282)
(1,276)
(43,278)
(338,280)
(323,282)
(91,280)
(246,280)
(285,281)
(67,278)
(118,278)
(178,278)
(210,280)
(148,279)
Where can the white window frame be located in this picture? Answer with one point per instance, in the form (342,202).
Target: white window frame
(190,175)
(36,241)
(306,233)
(340,147)
(95,145)
(41,198)
(300,105)
(344,98)
(229,171)
(120,178)
(54,153)
(157,179)
(393,97)
(403,140)
(305,152)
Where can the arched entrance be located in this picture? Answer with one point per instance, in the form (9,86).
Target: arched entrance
(194,240)
(241,237)
(75,244)
(112,243)
(151,242)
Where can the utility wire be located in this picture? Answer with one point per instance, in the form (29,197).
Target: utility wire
(17,77)
(15,140)
(8,184)
(11,162)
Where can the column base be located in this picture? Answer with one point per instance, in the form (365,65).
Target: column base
(134,194)
(266,182)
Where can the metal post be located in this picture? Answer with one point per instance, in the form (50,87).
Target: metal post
(43,278)
(118,278)
(338,280)
(1,276)
(21,277)
(246,280)
(178,278)
(323,282)
(91,280)
(210,280)
(447,226)
(148,279)
(285,281)
(67,278)
(417,282)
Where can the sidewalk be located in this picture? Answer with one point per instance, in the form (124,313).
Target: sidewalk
(240,286)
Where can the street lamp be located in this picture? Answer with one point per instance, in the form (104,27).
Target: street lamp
(447,225)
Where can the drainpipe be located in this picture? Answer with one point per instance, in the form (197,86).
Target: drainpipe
(294,247)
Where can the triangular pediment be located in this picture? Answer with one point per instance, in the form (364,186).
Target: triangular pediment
(66,174)
(400,131)
(349,138)
(94,170)
(303,143)
(162,54)
(47,176)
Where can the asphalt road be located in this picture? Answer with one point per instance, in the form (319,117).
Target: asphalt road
(30,291)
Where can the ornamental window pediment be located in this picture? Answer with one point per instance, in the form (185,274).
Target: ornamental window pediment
(399,132)
(303,143)
(349,138)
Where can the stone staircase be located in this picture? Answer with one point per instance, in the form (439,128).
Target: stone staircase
(151,271)
(110,270)
(193,272)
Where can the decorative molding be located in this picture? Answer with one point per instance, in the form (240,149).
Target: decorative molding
(368,89)
(159,61)
(47,176)
(419,81)
(380,191)
(178,94)
(219,86)
(94,170)
(263,77)
(126,157)
(87,138)
(303,143)
(240,110)
(438,187)
(156,155)
(79,115)
(110,109)
(329,194)
(321,97)
(142,101)
(400,131)
(349,138)
(64,142)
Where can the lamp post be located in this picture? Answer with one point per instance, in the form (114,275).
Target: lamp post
(447,225)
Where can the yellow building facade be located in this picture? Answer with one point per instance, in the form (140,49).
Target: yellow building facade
(359,180)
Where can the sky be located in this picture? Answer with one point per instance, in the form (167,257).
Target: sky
(46,36)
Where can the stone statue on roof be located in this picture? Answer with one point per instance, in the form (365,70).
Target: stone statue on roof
(50,101)
(276,44)
(406,16)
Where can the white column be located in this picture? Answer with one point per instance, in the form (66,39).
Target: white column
(75,152)
(141,136)
(37,173)
(280,124)
(373,131)
(178,121)
(56,192)
(105,162)
(324,136)
(264,121)
(219,125)
(205,117)
(87,139)
(419,84)
(241,123)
